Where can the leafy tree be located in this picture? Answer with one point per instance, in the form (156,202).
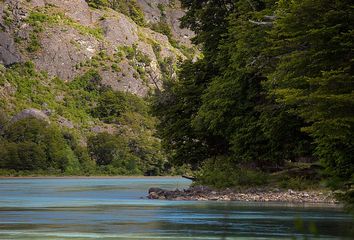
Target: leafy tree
(98,3)
(108,149)
(219,105)
(140,132)
(43,146)
(208,19)
(175,107)
(8,155)
(178,103)
(91,81)
(102,148)
(3,119)
(110,106)
(235,105)
(313,43)
(31,155)
(27,129)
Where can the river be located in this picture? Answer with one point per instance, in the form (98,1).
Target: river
(116,208)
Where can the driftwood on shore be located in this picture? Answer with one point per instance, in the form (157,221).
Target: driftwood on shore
(202,193)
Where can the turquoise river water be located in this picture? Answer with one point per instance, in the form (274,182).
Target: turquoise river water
(97,208)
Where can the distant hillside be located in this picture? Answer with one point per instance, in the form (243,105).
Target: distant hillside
(69,61)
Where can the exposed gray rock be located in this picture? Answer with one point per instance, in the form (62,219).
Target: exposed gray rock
(65,48)
(105,128)
(8,52)
(62,49)
(124,80)
(38,3)
(77,10)
(31,112)
(173,13)
(120,30)
(65,122)
(184,35)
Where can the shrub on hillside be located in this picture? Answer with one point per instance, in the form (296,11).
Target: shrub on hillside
(32,144)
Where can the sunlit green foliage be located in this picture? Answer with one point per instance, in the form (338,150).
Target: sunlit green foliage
(132,112)
(84,101)
(31,144)
(113,150)
(129,8)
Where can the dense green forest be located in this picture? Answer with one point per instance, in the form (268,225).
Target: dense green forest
(273,94)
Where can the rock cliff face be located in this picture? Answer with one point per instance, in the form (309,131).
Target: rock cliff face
(65,38)
(172,11)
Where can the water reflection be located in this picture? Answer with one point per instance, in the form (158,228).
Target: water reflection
(113,209)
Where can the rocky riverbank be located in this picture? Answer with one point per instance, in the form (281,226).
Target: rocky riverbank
(202,193)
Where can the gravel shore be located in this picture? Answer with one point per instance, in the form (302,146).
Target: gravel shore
(202,193)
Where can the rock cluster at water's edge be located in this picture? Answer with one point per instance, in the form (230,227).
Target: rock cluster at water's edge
(203,193)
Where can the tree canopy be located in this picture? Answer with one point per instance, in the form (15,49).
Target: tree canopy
(275,84)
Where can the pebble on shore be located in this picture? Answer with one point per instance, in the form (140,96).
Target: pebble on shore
(202,193)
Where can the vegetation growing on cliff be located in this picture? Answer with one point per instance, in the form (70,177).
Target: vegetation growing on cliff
(33,145)
(128,8)
(79,106)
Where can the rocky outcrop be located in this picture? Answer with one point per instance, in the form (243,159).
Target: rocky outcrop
(8,53)
(30,113)
(62,49)
(68,47)
(120,30)
(202,193)
(105,128)
(77,10)
(173,13)
(62,121)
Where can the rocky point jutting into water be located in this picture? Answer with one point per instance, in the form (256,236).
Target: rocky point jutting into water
(203,193)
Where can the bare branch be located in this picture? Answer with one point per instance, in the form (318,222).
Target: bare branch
(154,79)
(269,24)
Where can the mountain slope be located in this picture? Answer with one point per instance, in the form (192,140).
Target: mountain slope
(63,38)
(68,63)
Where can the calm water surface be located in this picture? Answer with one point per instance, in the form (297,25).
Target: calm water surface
(117,209)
